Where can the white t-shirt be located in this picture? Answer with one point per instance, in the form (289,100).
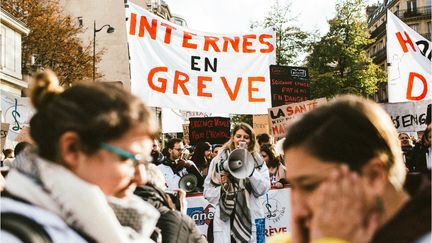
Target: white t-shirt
(171,179)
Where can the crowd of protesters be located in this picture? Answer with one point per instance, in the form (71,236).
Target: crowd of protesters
(100,174)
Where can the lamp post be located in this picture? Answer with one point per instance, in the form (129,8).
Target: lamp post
(109,31)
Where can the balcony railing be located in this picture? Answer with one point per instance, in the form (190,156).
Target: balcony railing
(378,30)
(380,55)
(413,13)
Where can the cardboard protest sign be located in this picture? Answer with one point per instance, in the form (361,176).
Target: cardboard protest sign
(408,116)
(260,124)
(186,133)
(175,67)
(3,134)
(282,115)
(17,111)
(289,85)
(215,130)
(409,57)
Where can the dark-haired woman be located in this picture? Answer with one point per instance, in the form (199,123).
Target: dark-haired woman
(92,143)
(239,215)
(202,156)
(275,167)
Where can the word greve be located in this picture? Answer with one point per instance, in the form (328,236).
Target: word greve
(250,43)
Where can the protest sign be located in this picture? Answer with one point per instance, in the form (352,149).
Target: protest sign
(260,124)
(215,130)
(186,134)
(17,111)
(4,132)
(408,116)
(289,85)
(281,116)
(174,67)
(409,62)
(276,205)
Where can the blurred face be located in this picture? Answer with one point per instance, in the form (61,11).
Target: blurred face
(176,151)
(216,151)
(241,136)
(265,157)
(117,175)
(155,148)
(404,139)
(305,173)
(208,153)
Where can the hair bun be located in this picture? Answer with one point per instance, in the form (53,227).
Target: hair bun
(45,87)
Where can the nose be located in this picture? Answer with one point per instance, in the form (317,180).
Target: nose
(140,175)
(299,205)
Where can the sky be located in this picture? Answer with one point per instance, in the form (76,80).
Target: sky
(235,16)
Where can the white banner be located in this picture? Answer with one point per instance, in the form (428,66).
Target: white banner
(17,111)
(175,67)
(276,205)
(408,116)
(409,58)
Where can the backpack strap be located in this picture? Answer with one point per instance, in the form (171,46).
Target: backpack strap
(24,228)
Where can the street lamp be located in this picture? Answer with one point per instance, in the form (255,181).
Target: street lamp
(109,31)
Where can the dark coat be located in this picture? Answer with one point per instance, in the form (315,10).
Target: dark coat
(175,226)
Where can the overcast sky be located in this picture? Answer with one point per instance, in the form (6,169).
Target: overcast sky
(235,16)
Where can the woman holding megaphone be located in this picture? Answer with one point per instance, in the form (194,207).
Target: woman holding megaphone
(237,177)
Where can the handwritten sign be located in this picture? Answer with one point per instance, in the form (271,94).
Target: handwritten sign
(282,115)
(3,134)
(408,116)
(175,67)
(276,205)
(215,130)
(260,124)
(289,84)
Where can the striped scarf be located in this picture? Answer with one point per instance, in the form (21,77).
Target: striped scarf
(234,205)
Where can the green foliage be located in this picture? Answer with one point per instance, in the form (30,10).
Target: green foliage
(339,63)
(241,118)
(290,40)
(53,40)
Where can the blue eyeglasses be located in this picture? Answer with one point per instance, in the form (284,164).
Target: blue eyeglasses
(125,155)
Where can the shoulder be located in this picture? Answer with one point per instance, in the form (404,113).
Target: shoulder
(56,228)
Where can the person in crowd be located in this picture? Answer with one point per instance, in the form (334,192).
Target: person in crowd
(421,154)
(174,225)
(78,183)
(275,167)
(264,138)
(8,158)
(406,146)
(216,149)
(21,146)
(174,166)
(352,190)
(202,156)
(239,215)
(157,156)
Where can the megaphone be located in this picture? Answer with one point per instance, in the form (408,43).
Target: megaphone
(188,183)
(239,164)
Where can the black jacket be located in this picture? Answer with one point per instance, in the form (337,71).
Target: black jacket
(175,226)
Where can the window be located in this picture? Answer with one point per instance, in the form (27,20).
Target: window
(413,26)
(80,22)
(411,6)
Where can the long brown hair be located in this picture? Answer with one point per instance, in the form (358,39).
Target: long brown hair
(252,147)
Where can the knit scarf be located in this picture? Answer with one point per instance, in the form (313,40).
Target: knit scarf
(83,206)
(234,205)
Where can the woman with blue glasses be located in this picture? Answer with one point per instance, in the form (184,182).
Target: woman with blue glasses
(92,141)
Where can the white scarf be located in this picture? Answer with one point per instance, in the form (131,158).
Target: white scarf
(80,204)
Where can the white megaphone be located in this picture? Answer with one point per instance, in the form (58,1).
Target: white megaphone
(240,163)
(188,183)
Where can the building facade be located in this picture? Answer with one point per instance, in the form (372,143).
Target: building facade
(415,13)
(10,54)
(114,63)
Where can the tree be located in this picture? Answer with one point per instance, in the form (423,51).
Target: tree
(290,40)
(53,40)
(339,62)
(235,119)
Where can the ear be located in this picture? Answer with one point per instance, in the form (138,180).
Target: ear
(376,175)
(70,149)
